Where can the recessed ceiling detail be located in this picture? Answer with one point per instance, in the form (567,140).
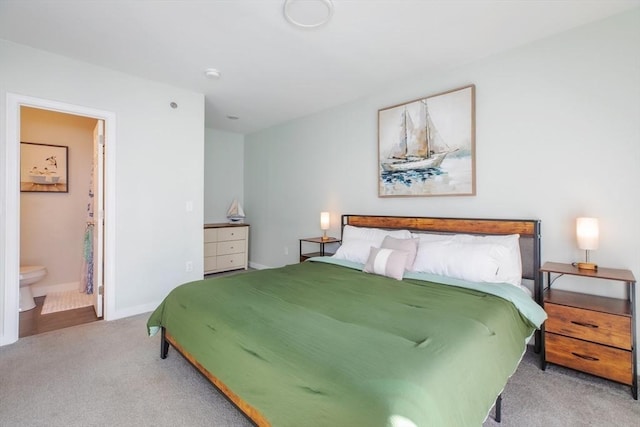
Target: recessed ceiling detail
(212,73)
(308,13)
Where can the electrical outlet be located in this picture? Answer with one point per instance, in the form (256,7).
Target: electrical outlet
(188,266)
(286,250)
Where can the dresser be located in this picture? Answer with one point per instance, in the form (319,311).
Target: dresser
(226,247)
(590,333)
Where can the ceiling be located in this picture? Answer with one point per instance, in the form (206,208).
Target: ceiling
(272,71)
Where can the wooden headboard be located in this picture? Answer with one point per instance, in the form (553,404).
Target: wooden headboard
(528,229)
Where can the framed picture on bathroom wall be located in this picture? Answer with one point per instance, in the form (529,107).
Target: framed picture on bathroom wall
(44,168)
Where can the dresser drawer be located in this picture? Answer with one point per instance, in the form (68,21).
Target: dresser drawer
(231,247)
(210,249)
(210,263)
(595,326)
(231,261)
(600,360)
(210,235)
(232,233)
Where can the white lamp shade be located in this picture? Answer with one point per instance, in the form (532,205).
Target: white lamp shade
(587,233)
(325,220)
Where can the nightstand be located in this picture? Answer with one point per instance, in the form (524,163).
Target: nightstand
(320,241)
(590,333)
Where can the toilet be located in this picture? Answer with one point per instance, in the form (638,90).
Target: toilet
(29,274)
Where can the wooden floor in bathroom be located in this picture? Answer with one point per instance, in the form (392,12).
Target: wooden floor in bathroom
(32,322)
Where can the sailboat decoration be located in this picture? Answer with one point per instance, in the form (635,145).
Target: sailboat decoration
(416,145)
(235,214)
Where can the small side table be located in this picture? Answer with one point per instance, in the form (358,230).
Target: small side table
(591,333)
(320,241)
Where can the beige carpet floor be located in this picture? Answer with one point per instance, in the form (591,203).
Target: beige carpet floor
(109,373)
(67,300)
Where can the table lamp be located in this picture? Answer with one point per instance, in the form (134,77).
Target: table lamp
(587,233)
(325,223)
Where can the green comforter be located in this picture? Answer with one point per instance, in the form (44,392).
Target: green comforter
(320,344)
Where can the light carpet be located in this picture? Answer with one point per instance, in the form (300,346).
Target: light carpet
(67,300)
(109,373)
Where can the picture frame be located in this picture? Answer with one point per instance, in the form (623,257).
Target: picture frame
(426,147)
(44,168)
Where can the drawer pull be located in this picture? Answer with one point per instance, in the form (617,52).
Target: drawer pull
(582,356)
(586,325)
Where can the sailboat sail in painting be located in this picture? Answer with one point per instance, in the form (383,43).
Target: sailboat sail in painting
(416,143)
(426,147)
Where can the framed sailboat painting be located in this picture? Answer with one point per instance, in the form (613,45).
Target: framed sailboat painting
(426,147)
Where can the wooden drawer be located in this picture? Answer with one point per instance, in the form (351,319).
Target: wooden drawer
(600,360)
(210,235)
(231,261)
(210,263)
(595,326)
(210,249)
(232,233)
(231,247)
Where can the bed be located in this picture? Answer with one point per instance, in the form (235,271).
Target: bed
(342,341)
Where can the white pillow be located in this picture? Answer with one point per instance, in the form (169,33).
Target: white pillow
(357,242)
(472,262)
(494,259)
(386,262)
(410,246)
(510,261)
(431,237)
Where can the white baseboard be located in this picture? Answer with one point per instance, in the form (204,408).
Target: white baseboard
(133,311)
(258,266)
(41,290)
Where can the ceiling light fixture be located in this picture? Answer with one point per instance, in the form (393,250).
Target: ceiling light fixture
(307,13)
(212,73)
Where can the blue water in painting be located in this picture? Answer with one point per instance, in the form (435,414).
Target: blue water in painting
(411,176)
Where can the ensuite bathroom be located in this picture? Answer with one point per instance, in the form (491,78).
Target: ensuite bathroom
(58,227)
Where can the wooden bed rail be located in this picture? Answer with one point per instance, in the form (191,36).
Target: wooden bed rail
(249,411)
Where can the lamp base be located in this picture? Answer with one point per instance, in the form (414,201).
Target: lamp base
(587,266)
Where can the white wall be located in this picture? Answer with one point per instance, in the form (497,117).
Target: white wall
(158,169)
(223,173)
(557,137)
(52,225)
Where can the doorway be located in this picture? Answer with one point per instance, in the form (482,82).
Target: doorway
(10,234)
(60,229)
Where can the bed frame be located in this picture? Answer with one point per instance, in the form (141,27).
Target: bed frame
(529,231)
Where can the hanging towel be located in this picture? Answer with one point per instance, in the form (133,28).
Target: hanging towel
(86,275)
(86,284)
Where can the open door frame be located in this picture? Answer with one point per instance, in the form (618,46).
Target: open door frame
(10,192)
(98,180)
